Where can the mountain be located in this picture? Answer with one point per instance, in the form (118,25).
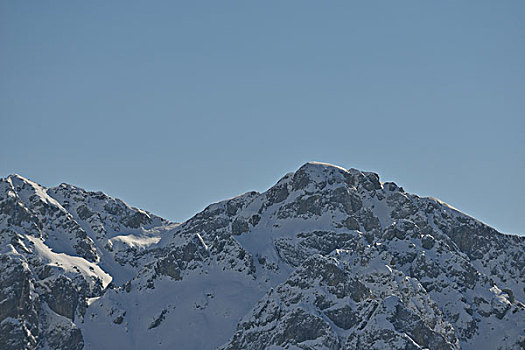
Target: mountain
(327,258)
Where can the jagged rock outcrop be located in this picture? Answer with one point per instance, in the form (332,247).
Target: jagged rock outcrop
(328,258)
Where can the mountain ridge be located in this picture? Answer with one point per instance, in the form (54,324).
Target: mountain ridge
(247,269)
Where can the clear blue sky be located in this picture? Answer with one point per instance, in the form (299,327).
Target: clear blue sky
(172,105)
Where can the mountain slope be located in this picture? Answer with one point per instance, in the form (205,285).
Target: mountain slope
(326,258)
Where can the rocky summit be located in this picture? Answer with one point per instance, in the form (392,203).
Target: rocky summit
(328,258)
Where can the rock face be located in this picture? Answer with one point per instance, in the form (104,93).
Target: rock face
(327,258)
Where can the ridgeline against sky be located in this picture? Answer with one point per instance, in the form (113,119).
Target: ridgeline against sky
(173,105)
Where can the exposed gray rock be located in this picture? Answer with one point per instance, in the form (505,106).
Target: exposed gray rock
(338,259)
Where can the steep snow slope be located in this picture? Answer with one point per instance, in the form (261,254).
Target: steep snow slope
(58,251)
(326,258)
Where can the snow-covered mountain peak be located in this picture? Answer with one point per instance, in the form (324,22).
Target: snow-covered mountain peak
(320,170)
(16,177)
(29,190)
(325,258)
(318,177)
